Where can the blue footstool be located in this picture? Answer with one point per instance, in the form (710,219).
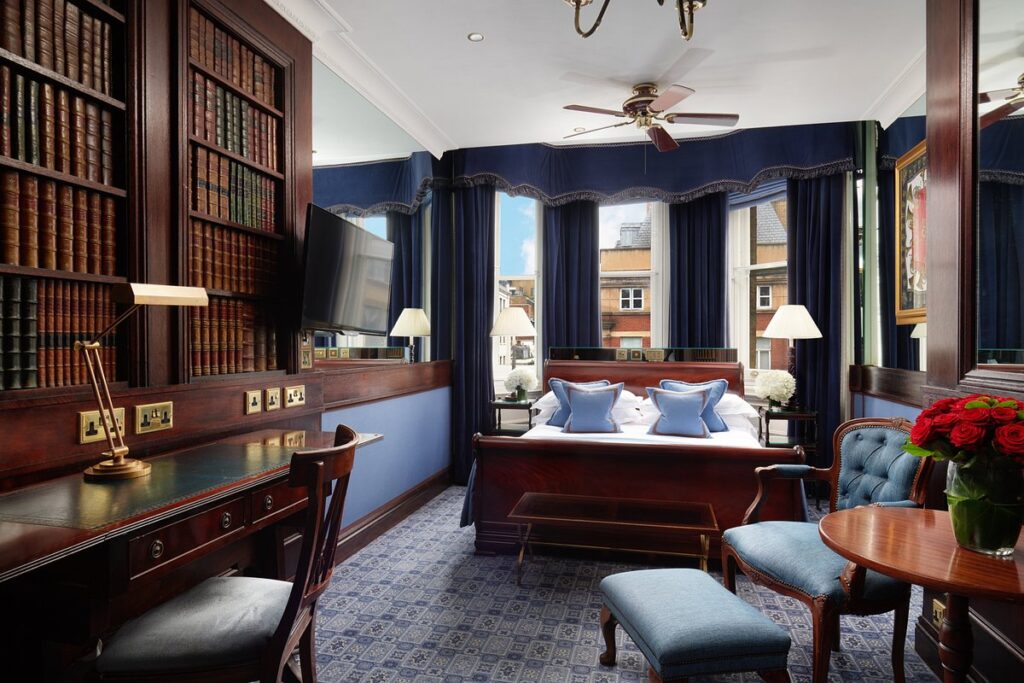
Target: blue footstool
(688,624)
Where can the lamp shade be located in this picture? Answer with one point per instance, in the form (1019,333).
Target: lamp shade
(920,331)
(142,294)
(792,321)
(512,322)
(412,322)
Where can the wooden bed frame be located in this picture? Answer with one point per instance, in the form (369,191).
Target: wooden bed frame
(507,467)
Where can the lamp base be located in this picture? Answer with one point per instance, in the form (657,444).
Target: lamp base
(124,468)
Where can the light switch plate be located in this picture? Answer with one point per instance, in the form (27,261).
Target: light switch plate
(253,401)
(273,399)
(295,396)
(90,430)
(154,417)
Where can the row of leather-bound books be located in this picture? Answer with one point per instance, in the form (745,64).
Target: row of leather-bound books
(220,52)
(223,258)
(48,126)
(223,188)
(46,224)
(40,321)
(60,36)
(230,122)
(231,336)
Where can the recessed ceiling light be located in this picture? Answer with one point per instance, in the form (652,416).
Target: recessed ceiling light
(578,129)
(475,37)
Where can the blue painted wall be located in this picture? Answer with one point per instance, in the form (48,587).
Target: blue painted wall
(871,406)
(416,445)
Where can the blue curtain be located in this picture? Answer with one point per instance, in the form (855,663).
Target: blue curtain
(571,276)
(406,233)
(697,231)
(814,253)
(441,254)
(1001,271)
(898,349)
(472,375)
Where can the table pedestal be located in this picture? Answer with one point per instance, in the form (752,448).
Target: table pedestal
(956,642)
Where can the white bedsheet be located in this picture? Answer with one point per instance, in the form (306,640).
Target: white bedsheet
(740,435)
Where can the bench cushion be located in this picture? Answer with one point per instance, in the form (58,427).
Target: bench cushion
(688,624)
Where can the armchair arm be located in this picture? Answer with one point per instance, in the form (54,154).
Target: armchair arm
(766,474)
(897,504)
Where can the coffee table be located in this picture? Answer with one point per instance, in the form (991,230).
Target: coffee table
(608,519)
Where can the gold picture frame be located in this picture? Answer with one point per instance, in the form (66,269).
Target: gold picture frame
(911,282)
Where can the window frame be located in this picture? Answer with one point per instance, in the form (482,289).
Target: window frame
(632,298)
(767,306)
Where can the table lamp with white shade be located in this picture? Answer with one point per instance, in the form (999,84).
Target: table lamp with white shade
(513,322)
(792,321)
(412,322)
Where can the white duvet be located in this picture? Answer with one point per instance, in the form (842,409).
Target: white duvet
(741,434)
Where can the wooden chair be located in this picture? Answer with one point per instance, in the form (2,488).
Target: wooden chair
(870,468)
(242,628)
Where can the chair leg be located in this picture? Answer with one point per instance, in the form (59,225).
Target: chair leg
(728,569)
(836,645)
(899,639)
(608,624)
(824,637)
(307,652)
(775,676)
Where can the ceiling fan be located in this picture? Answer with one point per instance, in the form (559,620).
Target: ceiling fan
(646,108)
(1013,99)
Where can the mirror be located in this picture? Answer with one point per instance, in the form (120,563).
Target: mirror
(1000,223)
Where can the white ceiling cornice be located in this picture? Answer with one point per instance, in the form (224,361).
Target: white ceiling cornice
(902,93)
(331,45)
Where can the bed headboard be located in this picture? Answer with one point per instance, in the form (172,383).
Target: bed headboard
(637,376)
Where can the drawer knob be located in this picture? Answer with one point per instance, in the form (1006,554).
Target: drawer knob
(156,549)
(225,520)
(268,502)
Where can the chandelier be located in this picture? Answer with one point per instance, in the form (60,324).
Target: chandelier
(684,8)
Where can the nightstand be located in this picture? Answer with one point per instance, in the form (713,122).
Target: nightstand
(805,433)
(498,405)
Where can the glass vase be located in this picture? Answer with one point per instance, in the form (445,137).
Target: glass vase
(985,499)
(521,394)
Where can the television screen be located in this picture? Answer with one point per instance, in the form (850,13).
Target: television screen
(347,282)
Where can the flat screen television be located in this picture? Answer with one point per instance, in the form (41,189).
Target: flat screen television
(347,281)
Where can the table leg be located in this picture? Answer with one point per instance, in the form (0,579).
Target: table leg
(705,547)
(522,551)
(956,643)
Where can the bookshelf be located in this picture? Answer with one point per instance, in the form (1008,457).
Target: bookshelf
(235,233)
(62,186)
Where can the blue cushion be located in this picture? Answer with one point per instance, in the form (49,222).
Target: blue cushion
(873,467)
(558,388)
(688,624)
(794,554)
(591,409)
(717,389)
(221,622)
(680,412)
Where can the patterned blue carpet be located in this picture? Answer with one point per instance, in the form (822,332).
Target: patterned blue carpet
(418,605)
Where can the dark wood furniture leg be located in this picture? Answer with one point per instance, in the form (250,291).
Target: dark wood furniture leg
(608,624)
(956,642)
(775,676)
(899,640)
(824,637)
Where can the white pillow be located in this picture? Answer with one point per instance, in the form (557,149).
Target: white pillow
(735,412)
(731,404)
(625,410)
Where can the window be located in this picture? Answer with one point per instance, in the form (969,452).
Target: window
(626,275)
(516,283)
(631,299)
(378,225)
(764,353)
(764,297)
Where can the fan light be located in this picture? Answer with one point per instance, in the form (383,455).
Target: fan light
(685,8)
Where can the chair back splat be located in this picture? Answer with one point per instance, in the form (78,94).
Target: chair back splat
(872,467)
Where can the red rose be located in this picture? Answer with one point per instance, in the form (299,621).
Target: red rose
(979,416)
(1009,439)
(968,435)
(1004,415)
(932,412)
(944,423)
(923,431)
(944,403)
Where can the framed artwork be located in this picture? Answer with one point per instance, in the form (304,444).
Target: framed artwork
(911,229)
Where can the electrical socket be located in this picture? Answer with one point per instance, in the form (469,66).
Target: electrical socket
(154,417)
(295,396)
(90,429)
(253,402)
(938,612)
(273,398)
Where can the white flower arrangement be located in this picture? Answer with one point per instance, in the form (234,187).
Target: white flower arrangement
(520,378)
(775,385)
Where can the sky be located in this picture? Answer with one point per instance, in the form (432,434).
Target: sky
(518,248)
(611,217)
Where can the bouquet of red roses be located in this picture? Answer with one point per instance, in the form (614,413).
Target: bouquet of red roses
(961,429)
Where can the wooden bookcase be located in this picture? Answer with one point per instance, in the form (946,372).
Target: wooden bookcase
(62,186)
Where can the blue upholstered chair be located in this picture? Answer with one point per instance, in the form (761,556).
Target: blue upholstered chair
(870,468)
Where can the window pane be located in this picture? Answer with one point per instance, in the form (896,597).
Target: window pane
(626,275)
(378,225)
(515,286)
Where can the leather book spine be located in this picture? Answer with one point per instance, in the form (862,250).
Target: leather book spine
(72,49)
(209,110)
(236,261)
(264,146)
(49,126)
(92,142)
(196,341)
(108,234)
(257,79)
(215,356)
(246,69)
(77,367)
(95,233)
(223,184)
(63,132)
(44,33)
(239,324)
(79,155)
(67,350)
(193,34)
(111,313)
(97,55)
(59,51)
(5,111)
(81,231)
(234,61)
(43,335)
(213,187)
(90,317)
(204,337)
(201,182)
(10,218)
(32,116)
(260,344)
(85,50)
(208,255)
(222,336)
(48,224)
(11,28)
(218,258)
(248,337)
(29,332)
(243,115)
(106,147)
(29,217)
(108,86)
(18,119)
(210,61)
(228,333)
(196,255)
(221,113)
(218,51)
(198,102)
(11,316)
(65,228)
(28,25)
(3,349)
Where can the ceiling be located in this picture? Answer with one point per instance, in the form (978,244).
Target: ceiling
(773,63)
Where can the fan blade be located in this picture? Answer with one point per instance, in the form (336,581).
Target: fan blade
(670,98)
(690,60)
(661,139)
(1001,113)
(592,110)
(703,119)
(996,95)
(594,130)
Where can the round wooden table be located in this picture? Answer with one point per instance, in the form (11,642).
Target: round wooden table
(917,546)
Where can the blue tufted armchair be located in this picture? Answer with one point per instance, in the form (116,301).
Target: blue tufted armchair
(870,468)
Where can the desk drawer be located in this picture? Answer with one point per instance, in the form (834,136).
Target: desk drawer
(185,537)
(275,501)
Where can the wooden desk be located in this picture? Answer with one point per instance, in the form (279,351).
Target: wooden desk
(917,546)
